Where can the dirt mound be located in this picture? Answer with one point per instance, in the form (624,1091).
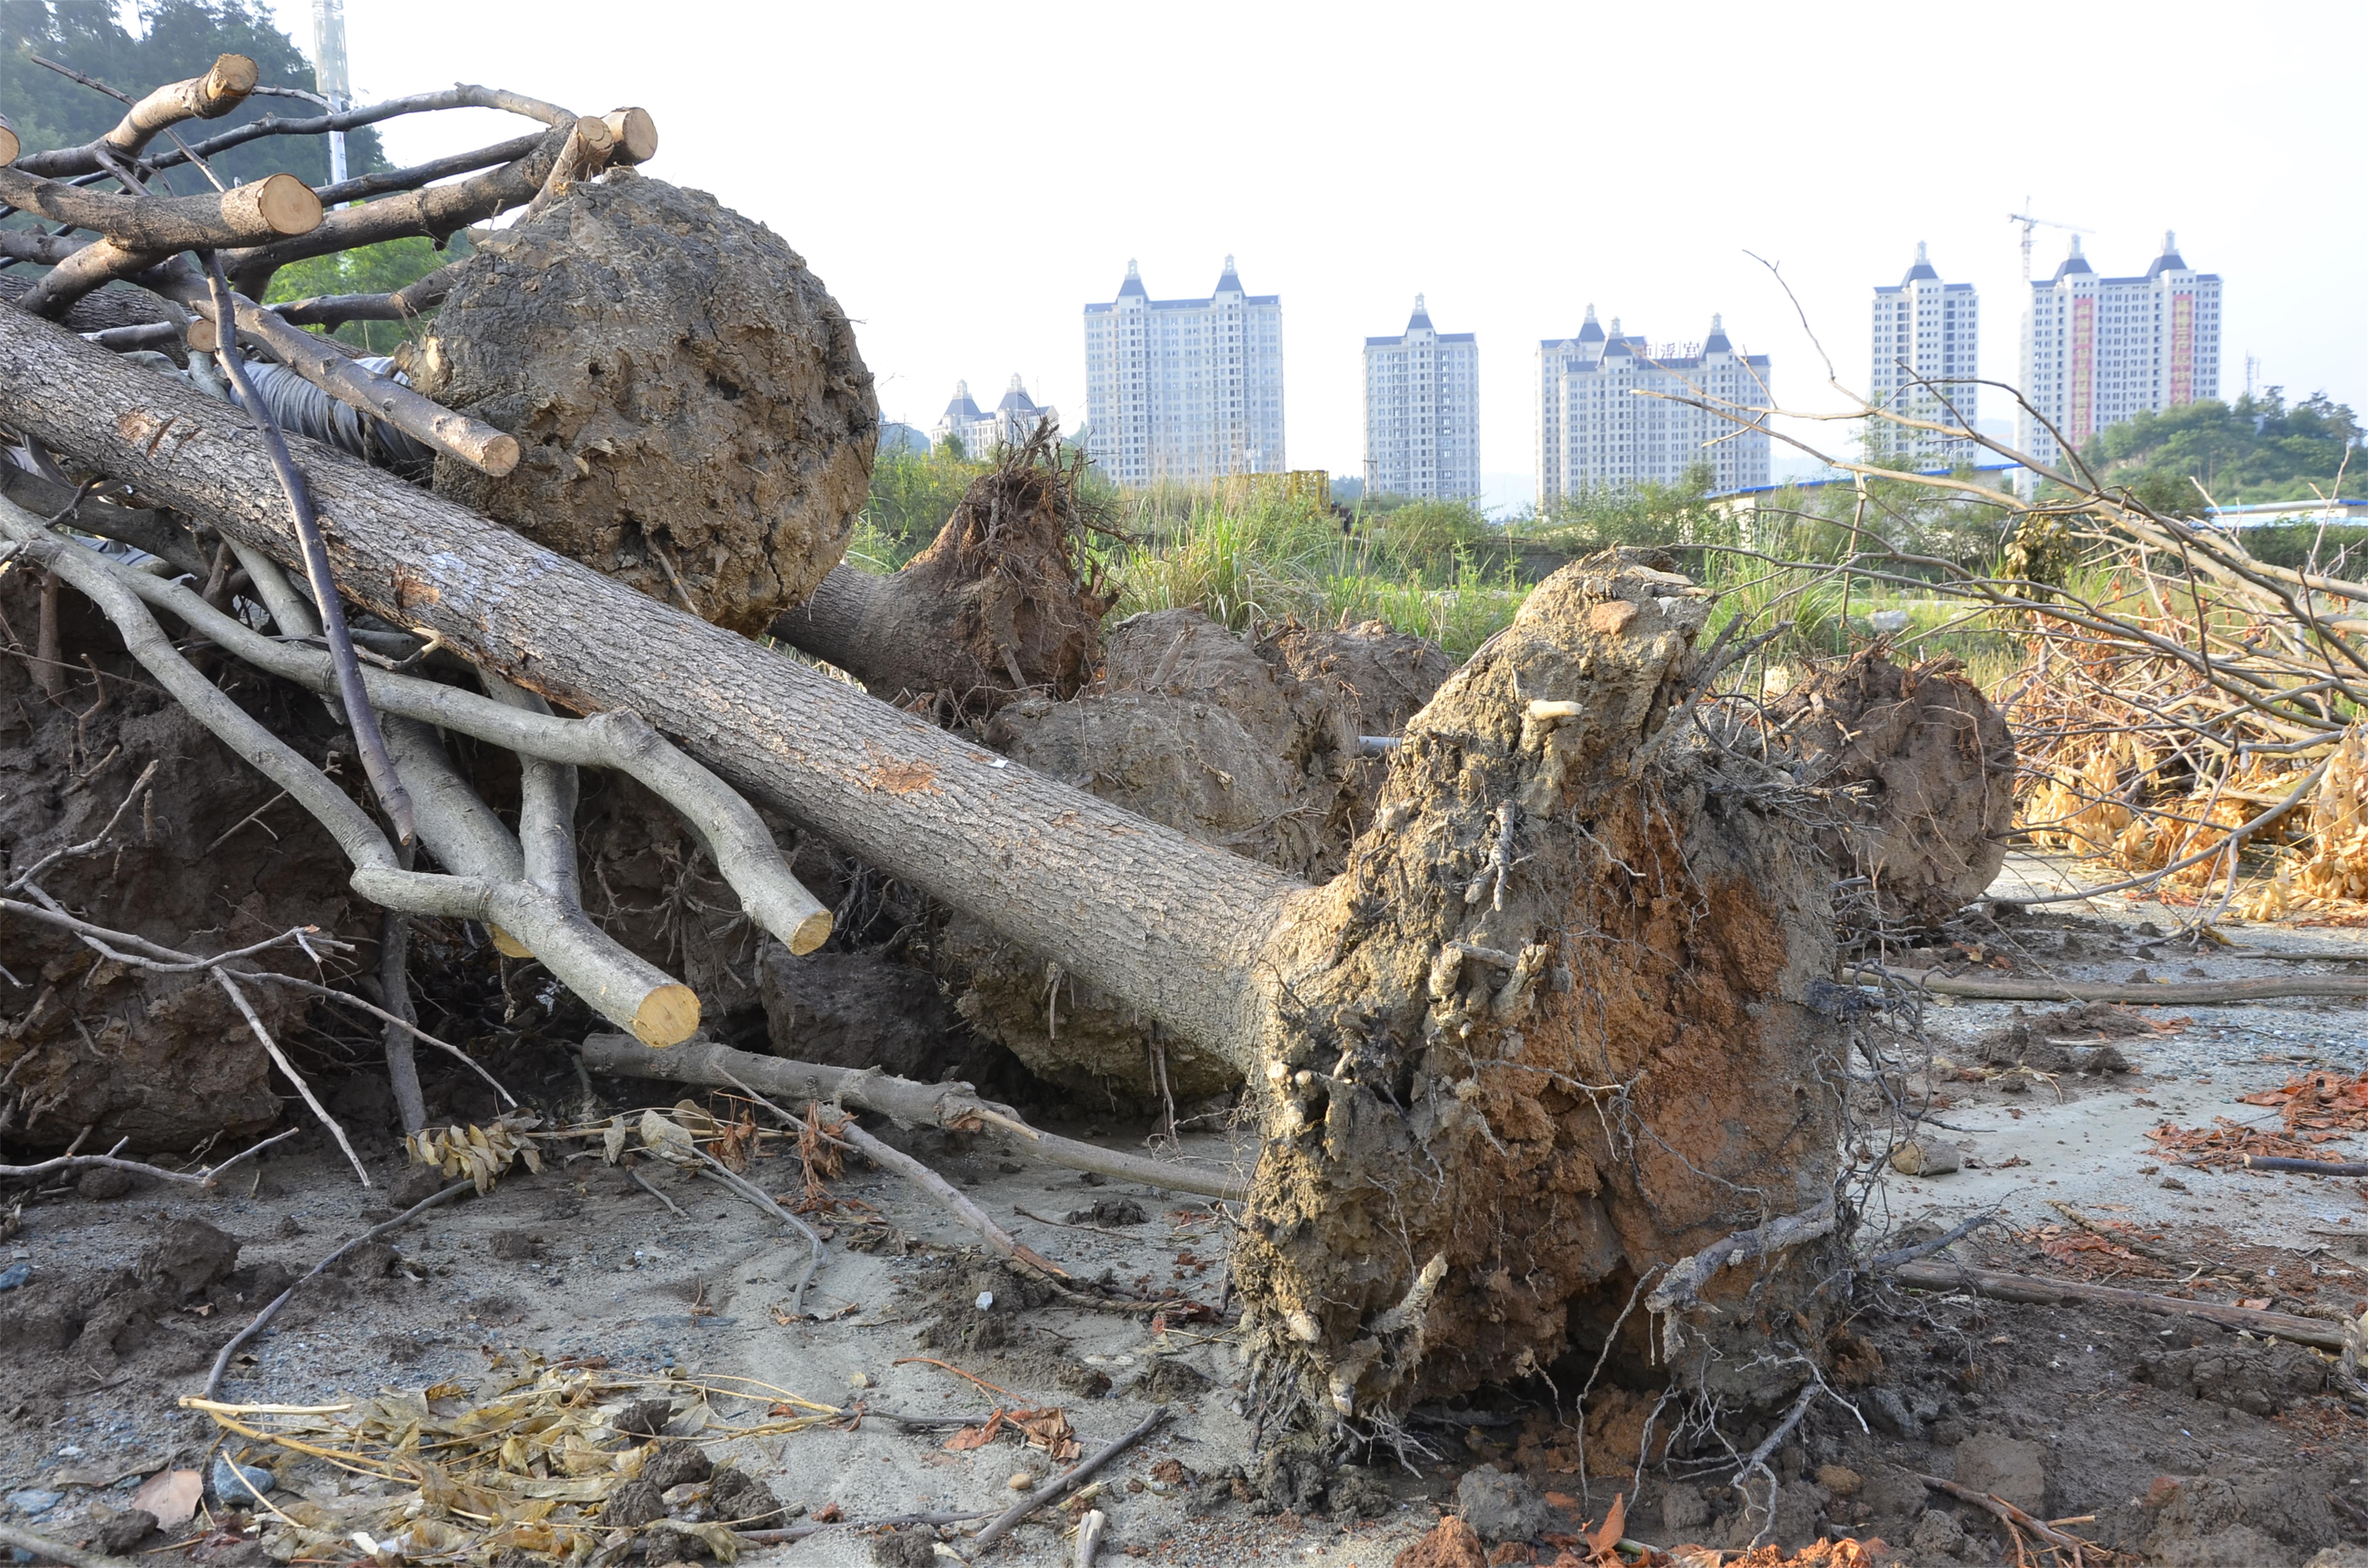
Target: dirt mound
(1382,677)
(693,414)
(1190,727)
(204,862)
(1556,1025)
(1922,771)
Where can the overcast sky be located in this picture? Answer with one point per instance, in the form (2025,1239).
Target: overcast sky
(965,179)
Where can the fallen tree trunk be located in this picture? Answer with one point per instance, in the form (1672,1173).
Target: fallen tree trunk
(1032,859)
(1556,1025)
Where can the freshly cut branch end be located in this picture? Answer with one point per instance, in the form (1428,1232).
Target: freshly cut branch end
(637,135)
(279,203)
(9,143)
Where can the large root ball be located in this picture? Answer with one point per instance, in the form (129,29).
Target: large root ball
(692,415)
(1384,676)
(1921,771)
(206,860)
(1203,732)
(1562,1021)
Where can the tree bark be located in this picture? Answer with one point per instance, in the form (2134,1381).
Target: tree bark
(1169,925)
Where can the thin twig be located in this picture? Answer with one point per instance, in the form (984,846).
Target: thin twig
(384,781)
(263,1318)
(1078,1476)
(644,1183)
(271,1049)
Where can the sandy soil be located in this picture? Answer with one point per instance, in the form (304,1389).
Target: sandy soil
(2178,1462)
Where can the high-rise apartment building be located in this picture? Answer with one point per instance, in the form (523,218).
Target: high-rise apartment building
(2097,350)
(1008,424)
(1614,411)
(1422,412)
(1188,389)
(1926,357)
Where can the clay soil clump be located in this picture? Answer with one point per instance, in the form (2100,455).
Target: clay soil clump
(1921,773)
(693,416)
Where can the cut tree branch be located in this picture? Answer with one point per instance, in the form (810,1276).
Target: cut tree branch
(209,96)
(901,1099)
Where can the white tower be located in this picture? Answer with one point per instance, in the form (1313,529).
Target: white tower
(329,77)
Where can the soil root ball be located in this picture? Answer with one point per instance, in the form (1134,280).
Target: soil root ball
(202,861)
(1557,1026)
(1921,770)
(1384,676)
(693,414)
(1192,727)
(999,607)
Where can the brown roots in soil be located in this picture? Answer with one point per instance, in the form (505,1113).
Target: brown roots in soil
(1212,734)
(999,607)
(1921,768)
(164,1059)
(1556,1025)
(693,414)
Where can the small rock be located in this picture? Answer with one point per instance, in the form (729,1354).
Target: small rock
(1683,1511)
(1021,1482)
(237,1485)
(2174,1184)
(634,1503)
(1919,1157)
(1889,1412)
(1839,1479)
(859,1380)
(289,1226)
(675,1463)
(1500,1506)
(740,1500)
(31,1500)
(104,1182)
(15,1274)
(418,1185)
(1936,1535)
(125,1531)
(190,1256)
(643,1418)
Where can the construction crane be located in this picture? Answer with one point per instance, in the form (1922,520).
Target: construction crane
(2029,223)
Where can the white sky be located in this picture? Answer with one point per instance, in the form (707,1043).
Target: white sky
(965,179)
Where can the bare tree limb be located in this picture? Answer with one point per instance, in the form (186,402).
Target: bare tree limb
(209,96)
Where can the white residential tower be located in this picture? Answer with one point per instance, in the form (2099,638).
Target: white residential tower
(980,431)
(2097,350)
(1926,337)
(1187,389)
(1614,412)
(1422,412)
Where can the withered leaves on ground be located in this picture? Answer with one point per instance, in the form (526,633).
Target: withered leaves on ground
(1047,1429)
(2320,1106)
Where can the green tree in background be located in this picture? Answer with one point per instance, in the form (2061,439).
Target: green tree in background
(176,40)
(380,269)
(2254,449)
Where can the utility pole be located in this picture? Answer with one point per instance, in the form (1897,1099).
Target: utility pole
(2023,217)
(330,80)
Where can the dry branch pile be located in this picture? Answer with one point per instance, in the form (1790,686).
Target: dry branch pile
(1558,1034)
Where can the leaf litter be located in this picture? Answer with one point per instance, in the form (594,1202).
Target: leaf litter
(526,1461)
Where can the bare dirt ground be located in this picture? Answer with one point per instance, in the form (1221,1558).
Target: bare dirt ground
(2185,1442)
